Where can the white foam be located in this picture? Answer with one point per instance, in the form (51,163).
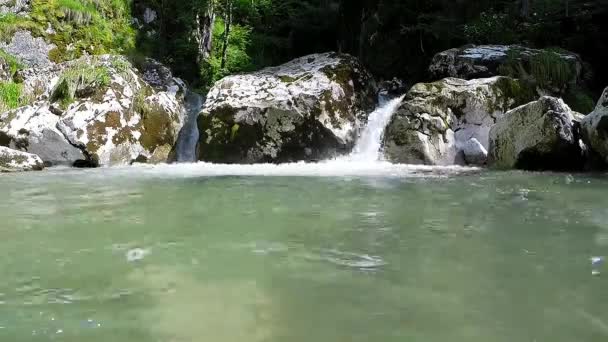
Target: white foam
(334,168)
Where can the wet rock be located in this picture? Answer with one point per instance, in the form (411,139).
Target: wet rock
(12,160)
(474,152)
(436,119)
(540,135)
(307,109)
(594,129)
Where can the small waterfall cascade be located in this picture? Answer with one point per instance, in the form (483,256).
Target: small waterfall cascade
(368,147)
(188,136)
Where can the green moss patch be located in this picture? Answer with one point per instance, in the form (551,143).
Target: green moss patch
(80,80)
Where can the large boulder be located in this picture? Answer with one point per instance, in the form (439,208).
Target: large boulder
(540,135)
(95,111)
(309,108)
(469,62)
(594,128)
(436,121)
(12,160)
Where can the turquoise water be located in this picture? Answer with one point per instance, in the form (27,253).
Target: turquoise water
(175,254)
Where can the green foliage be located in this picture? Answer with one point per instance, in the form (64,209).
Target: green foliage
(11,23)
(10,95)
(549,69)
(80,80)
(238,59)
(80,26)
(491,27)
(13,63)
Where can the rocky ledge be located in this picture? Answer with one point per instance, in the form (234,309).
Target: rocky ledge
(96,111)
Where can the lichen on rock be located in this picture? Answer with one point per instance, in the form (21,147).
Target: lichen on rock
(309,108)
(540,135)
(436,119)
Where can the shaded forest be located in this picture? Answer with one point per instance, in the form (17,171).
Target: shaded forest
(394,38)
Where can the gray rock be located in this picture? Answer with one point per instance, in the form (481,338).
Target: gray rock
(32,51)
(12,160)
(594,128)
(33,129)
(118,123)
(540,135)
(19,7)
(309,108)
(474,152)
(435,118)
(470,62)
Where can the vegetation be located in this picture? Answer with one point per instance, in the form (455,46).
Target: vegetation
(79,81)
(221,37)
(10,95)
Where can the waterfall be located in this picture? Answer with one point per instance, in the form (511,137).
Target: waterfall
(188,136)
(368,147)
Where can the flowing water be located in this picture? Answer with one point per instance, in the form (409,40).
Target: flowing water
(188,137)
(369,143)
(289,253)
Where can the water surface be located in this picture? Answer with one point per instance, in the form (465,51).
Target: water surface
(300,253)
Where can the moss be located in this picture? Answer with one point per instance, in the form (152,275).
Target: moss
(512,93)
(88,26)
(287,79)
(579,100)
(233,131)
(80,80)
(157,127)
(547,69)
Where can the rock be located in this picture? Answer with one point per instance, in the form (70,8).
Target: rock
(307,109)
(436,119)
(12,160)
(470,62)
(474,152)
(113,117)
(392,88)
(594,128)
(19,7)
(33,129)
(32,51)
(537,136)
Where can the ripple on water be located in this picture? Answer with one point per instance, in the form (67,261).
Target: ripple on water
(352,260)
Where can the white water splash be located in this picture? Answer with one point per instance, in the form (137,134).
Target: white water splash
(368,147)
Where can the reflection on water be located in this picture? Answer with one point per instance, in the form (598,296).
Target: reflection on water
(142,255)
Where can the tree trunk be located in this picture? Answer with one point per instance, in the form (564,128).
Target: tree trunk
(228,22)
(204,32)
(525,9)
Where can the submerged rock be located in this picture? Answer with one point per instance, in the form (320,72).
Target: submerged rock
(12,160)
(594,128)
(309,108)
(540,135)
(96,111)
(437,119)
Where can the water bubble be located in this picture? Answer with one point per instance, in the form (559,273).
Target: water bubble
(136,254)
(59,331)
(597,261)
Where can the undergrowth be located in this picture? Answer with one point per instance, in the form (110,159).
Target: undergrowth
(79,81)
